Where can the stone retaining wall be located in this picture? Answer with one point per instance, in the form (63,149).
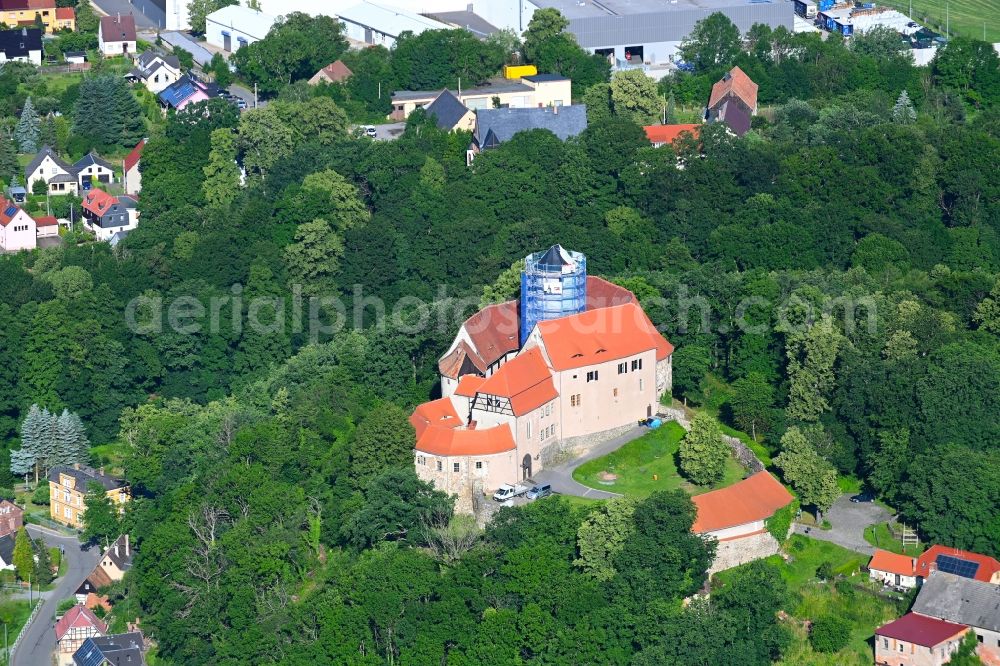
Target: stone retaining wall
(571,447)
(729,554)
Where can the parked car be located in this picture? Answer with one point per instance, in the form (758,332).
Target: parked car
(240,103)
(223,93)
(371,131)
(864,497)
(507,492)
(538,492)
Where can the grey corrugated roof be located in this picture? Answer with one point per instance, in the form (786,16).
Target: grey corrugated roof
(536,78)
(447,110)
(962,600)
(563,121)
(7,548)
(37,160)
(63,178)
(471,21)
(85,475)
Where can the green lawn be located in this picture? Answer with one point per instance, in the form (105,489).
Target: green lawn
(880,537)
(13,614)
(967,16)
(811,598)
(647,464)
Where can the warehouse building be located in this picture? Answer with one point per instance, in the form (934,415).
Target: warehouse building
(231,28)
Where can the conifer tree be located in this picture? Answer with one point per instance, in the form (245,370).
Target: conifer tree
(71,444)
(903,112)
(27,130)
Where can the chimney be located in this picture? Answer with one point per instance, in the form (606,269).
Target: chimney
(76,466)
(116,549)
(555,110)
(119,17)
(126,545)
(101,470)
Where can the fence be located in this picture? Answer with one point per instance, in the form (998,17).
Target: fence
(20,634)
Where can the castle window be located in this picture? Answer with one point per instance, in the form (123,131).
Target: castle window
(622,368)
(592,376)
(439,465)
(479,464)
(455,467)
(615,392)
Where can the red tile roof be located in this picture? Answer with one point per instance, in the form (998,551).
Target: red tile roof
(41,4)
(754,498)
(337,71)
(596,336)
(927,562)
(442,441)
(526,380)
(65,14)
(46,221)
(883,560)
(440,412)
(468,385)
(5,206)
(921,630)
(669,133)
(98,201)
(79,616)
(604,294)
(133,157)
(736,83)
(118,28)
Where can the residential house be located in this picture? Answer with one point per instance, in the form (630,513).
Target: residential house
(21,13)
(916,640)
(529,92)
(374,23)
(959,562)
(46,165)
(132,180)
(335,72)
(46,226)
(92,169)
(116,35)
(893,569)
(525,382)
(965,601)
(736,518)
(117,559)
(496,126)
(21,45)
(90,588)
(663,135)
(114,650)
(155,71)
(75,626)
(185,91)
(104,214)
(7,552)
(68,486)
(17,228)
(733,101)
(449,113)
(233,27)
(11,518)
(65,19)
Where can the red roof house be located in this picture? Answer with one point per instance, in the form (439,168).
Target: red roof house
(735,84)
(525,382)
(959,562)
(917,639)
(335,72)
(883,560)
(77,625)
(752,500)
(660,135)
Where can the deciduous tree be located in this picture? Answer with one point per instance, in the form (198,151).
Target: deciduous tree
(703,451)
(812,477)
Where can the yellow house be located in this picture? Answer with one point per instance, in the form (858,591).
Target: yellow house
(22,13)
(68,487)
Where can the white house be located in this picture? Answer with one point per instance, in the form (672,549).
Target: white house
(231,28)
(17,229)
(49,167)
(116,35)
(92,169)
(893,569)
(155,71)
(22,45)
(130,167)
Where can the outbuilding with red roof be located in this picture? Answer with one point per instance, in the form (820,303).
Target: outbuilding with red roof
(661,135)
(893,569)
(916,640)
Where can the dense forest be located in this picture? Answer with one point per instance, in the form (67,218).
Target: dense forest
(833,273)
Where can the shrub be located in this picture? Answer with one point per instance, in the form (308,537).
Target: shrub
(830,633)
(824,571)
(781,522)
(41,494)
(65,605)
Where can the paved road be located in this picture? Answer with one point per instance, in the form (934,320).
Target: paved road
(560,477)
(849,521)
(145,13)
(40,640)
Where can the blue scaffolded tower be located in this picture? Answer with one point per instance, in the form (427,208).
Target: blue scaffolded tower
(553,285)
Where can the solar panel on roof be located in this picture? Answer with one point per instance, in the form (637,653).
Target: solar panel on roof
(957,566)
(11,210)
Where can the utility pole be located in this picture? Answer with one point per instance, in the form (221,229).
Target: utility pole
(255,94)
(947,20)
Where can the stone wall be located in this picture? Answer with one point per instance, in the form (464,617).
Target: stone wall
(571,447)
(744,455)
(735,552)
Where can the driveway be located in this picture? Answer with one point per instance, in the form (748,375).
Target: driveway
(39,639)
(849,520)
(560,476)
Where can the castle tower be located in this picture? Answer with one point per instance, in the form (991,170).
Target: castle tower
(553,285)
